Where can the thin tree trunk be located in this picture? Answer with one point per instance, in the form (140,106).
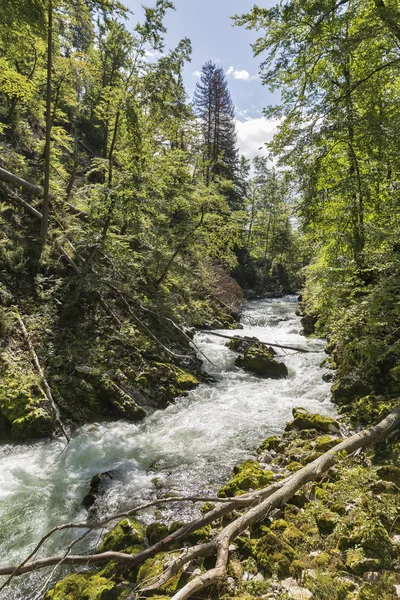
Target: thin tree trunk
(46,194)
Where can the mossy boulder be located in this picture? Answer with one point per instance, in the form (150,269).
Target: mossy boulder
(109,391)
(84,586)
(273,554)
(308,323)
(248,475)
(326,521)
(271,443)
(125,534)
(22,403)
(357,562)
(260,360)
(166,382)
(325,443)
(302,419)
(154,567)
(240,344)
(156,532)
(346,389)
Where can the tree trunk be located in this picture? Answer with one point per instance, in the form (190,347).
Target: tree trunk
(46,194)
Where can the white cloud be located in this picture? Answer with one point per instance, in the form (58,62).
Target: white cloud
(243,75)
(197,74)
(252,134)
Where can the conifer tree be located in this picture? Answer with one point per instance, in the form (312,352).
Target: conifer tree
(216,111)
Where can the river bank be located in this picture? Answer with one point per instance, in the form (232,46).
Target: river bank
(188,447)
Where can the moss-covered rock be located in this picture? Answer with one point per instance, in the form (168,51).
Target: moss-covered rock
(302,419)
(166,382)
(308,322)
(326,521)
(345,389)
(248,475)
(84,586)
(109,391)
(154,567)
(271,443)
(126,533)
(240,344)
(273,554)
(156,532)
(326,442)
(260,360)
(22,403)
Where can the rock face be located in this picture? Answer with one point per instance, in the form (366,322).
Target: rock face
(260,360)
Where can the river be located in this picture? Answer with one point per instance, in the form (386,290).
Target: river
(188,448)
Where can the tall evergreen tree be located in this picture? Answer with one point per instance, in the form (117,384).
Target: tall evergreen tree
(216,111)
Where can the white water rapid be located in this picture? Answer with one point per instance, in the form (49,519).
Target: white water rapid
(189,447)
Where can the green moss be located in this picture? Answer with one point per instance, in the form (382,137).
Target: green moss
(279,525)
(383,589)
(389,473)
(305,420)
(271,443)
(326,521)
(154,567)
(326,442)
(126,533)
(247,475)
(156,532)
(184,380)
(294,466)
(357,562)
(273,554)
(22,403)
(206,507)
(83,587)
(321,560)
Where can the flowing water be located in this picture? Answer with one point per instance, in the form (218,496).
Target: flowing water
(188,448)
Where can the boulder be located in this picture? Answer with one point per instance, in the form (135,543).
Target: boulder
(96,483)
(260,360)
(302,419)
(346,389)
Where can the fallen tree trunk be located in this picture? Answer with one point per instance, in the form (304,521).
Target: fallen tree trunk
(35,190)
(258,504)
(46,386)
(249,339)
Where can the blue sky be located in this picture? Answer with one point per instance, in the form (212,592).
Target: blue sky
(208,25)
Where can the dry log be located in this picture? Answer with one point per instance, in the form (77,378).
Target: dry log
(249,339)
(259,505)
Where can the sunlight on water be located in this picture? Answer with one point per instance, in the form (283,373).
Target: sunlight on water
(190,447)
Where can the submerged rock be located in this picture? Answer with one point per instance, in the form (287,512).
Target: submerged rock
(260,360)
(94,488)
